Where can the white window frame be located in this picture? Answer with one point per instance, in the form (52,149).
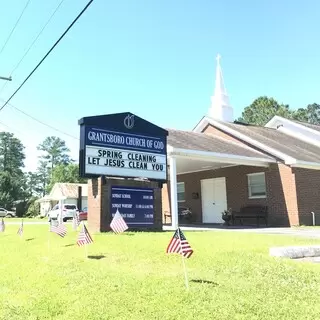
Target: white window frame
(249,188)
(184,191)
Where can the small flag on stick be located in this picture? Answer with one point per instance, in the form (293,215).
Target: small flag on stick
(2,225)
(84,237)
(118,224)
(179,244)
(59,229)
(75,221)
(20,230)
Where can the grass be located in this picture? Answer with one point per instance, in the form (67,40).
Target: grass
(130,277)
(18,220)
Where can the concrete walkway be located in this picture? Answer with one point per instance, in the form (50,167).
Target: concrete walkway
(304,232)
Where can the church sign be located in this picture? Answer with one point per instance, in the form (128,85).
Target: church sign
(122,145)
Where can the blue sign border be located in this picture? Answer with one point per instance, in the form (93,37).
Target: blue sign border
(115,123)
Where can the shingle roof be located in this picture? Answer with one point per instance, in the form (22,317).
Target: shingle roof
(206,142)
(70,190)
(308,125)
(279,141)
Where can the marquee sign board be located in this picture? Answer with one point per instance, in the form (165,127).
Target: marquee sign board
(122,145)
(136,205)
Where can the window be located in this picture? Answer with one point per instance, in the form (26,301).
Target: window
(180,192)
(257,185)
(70,207)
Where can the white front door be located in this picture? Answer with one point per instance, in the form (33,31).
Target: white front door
(214,199)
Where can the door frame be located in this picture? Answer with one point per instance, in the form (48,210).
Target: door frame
(201,184)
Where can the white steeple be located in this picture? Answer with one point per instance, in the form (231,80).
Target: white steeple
(220,106)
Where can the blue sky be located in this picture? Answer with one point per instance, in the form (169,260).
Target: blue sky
(155,59)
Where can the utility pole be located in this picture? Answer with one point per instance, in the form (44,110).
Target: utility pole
(6,78)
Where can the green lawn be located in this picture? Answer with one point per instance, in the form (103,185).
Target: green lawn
(25,219)
(135,279)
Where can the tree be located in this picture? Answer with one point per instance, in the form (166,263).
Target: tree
(55,151)
(9,191)
(262,110)
(66,174)
(310,114)
(42,177)
(11,154)
(11,174)
(33,184)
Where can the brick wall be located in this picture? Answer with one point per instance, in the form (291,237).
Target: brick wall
(281,187)
(94,204)
(99,192)
(282,196)
(286,207)
(236,185)
(308,194)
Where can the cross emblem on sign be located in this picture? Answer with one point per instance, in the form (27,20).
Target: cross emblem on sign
(129,121)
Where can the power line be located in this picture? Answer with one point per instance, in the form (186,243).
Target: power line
(37,66)
(14,27)
(32,44)
(41,122)
(5,125)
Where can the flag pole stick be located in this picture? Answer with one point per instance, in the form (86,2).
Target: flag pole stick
(183,263)
(22,229)
(49,238)
(86,251)
(185,273)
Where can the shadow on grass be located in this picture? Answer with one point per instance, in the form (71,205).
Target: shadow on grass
(204,282)
(69,245)
(98,257)
(29,239)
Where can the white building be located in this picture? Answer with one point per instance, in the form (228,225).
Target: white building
(67,192)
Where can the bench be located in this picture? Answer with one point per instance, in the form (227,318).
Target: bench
(183,212)
(251,212)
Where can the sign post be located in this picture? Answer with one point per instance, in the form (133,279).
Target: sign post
(123,145)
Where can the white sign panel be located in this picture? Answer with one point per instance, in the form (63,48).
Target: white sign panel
(120,162)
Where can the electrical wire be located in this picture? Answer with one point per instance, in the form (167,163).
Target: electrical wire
(41,122)
(32,44)
(14,27)
(12,129)
(41,61)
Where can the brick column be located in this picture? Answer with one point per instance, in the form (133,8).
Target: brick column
(94,204)
(282,196)
(99,193)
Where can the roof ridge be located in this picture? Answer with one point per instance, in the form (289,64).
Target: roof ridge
(304,122)
(249,125)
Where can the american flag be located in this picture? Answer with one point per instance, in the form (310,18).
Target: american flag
(84,236)
(75,221)
(2,225)
(118,224)
(179,244)
(20,230)
(59,229)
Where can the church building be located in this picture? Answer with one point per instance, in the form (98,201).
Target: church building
(251,170)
